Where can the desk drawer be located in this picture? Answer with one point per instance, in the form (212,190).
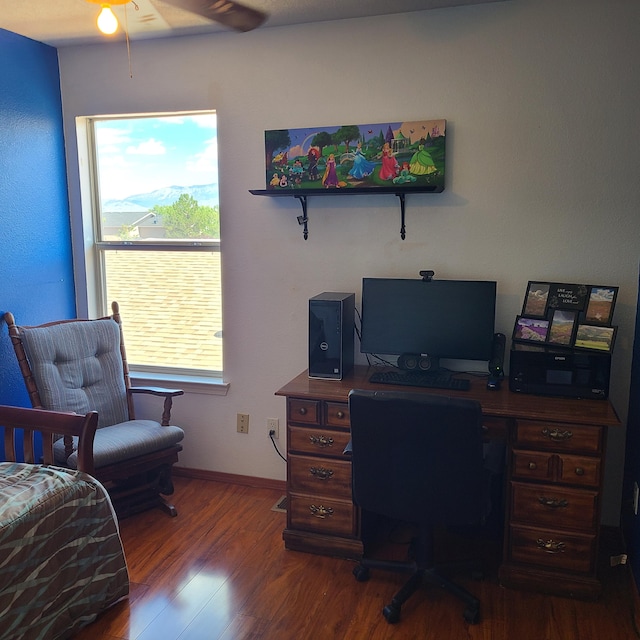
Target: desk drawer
(558,437)
(320,476)
(318,441)
(337,415)
(322,515)
(549,467)
(557,550)
(581,471)
(303,410)
(554,507)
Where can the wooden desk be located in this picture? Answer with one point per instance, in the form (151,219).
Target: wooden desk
(554,475)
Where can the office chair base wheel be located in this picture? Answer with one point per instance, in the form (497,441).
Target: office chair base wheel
(391,613)
(361,573)
(471,616)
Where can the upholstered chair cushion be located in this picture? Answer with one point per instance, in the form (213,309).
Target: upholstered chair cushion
(123,441)
(77,366)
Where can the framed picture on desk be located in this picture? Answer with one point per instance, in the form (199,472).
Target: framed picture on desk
(595,338)
(600,305)
(570,297)
(535,300)
(531,329)
(561,328)
(573,316)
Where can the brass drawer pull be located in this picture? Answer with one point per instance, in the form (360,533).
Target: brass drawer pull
(340,414)
(533,466)
(551,546)
(553,503)
(557,434)
(579,471)
(320,512)
(321,441)
(302,411)
(321,473)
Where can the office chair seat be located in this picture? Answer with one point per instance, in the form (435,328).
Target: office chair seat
(417,458)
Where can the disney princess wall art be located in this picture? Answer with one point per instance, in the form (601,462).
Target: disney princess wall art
(410,154)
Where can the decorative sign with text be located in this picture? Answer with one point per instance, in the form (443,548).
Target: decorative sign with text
(567,315)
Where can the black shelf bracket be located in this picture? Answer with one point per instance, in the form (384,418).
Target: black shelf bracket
(403,230)
(304,218)
(303,194)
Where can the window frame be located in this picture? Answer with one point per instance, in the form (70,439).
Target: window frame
(193,380)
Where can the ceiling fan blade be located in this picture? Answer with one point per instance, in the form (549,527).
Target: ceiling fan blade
(227,12)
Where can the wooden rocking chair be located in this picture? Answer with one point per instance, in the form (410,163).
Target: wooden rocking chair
(81,366)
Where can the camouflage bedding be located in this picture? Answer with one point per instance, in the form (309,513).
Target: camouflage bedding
(61,557)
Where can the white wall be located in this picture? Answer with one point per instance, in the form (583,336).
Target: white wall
(542,175)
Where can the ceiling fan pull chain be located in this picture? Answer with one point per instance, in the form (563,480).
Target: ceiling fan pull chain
(126,35)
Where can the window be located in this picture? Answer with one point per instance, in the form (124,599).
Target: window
(156,238)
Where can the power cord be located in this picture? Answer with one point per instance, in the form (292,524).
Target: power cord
(273,442)
(372,358)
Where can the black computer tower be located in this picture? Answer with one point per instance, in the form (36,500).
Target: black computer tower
(331,328)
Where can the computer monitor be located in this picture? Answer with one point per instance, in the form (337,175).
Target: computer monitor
(451,319)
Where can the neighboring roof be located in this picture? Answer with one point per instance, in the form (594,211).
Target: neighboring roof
(153,318)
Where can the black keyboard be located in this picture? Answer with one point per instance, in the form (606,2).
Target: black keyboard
(420,379)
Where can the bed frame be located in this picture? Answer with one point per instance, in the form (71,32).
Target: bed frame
(51,424)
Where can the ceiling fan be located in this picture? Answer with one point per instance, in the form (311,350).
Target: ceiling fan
(229,13)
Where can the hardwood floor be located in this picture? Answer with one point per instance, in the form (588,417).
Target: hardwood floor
(219,571)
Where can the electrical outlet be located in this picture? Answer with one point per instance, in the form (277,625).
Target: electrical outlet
(243,423)
(273,424)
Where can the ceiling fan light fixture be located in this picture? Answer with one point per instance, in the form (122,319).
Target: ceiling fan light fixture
(107,21)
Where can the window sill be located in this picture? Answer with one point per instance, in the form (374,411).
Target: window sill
(189,384)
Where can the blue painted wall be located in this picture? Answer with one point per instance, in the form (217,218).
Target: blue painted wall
(36,272)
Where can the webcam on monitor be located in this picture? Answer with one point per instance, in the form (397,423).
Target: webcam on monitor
(427,275)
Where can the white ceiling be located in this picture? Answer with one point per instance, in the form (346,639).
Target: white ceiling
(70,22)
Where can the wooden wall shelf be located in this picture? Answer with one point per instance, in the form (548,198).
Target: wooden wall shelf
(303,194)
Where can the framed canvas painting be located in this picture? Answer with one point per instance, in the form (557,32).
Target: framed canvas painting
(370,156)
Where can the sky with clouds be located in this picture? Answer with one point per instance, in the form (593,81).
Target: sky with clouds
(138,155)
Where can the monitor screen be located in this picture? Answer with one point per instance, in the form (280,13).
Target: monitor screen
(442,318)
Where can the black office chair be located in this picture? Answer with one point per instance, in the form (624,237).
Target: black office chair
(418,458)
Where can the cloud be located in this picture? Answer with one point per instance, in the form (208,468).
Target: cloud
(602,295)
(207,161)
(109,139)
(208,121)
(151,147)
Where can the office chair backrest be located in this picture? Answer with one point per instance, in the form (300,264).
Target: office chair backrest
(417,456)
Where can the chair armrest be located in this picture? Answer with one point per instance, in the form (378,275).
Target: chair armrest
(158,391)
(167,394)
(50,424)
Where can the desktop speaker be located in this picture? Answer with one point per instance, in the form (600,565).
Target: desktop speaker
(331,327)
(417,362)
(496,362)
